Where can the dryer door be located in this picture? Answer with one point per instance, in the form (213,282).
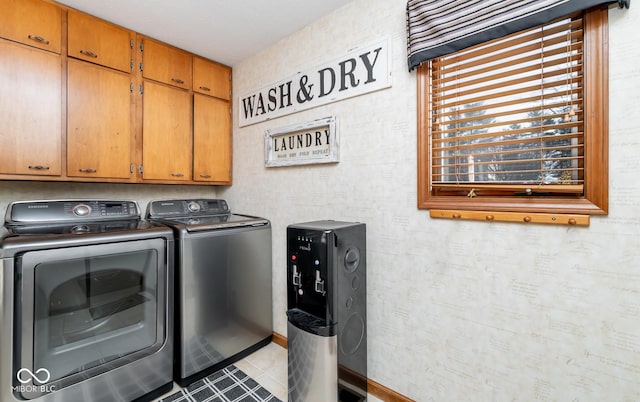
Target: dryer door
(86,310)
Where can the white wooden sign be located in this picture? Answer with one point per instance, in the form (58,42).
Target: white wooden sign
(360,71)
(302,144)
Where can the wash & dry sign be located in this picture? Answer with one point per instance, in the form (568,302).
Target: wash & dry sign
(362,70)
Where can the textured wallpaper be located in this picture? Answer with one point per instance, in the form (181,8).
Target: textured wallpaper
(457,311)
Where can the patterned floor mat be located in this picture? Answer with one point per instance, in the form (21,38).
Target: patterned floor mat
(227,385)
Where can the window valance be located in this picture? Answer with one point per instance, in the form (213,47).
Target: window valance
(439,27)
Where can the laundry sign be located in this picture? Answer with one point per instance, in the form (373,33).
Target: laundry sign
(362,70)
(302,144)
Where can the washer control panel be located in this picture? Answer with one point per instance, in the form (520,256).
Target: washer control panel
(182,208)
(26,212)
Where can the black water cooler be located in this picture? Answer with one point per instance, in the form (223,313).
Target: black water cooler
(327,312)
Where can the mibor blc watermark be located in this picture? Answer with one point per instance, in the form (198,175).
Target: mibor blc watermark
(40,377)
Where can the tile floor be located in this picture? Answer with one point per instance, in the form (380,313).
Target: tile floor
(268,366)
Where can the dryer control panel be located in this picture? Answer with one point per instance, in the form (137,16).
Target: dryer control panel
(62,211)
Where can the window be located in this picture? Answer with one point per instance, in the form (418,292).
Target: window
(519,123)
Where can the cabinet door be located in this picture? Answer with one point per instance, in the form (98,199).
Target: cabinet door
(30,110)
(99,122)
(32,22)
(166,133)
(211,139)
(99,42)
(166,64)
(211,78)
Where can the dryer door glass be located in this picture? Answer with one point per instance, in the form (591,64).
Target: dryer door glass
(92,306)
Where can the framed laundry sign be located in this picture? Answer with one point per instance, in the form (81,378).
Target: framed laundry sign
(302,144)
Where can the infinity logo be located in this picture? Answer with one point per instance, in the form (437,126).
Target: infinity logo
(31,375)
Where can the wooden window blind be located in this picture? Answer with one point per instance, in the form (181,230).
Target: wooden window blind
(506,118)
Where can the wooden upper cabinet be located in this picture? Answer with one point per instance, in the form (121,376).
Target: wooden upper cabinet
(30,110)
(166,64)
(97,41)
(211,78)
(32,22)
(83,99)
(99,128)
(166,133)
(211,139)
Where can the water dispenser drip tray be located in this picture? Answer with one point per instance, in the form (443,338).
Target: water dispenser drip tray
(311,323)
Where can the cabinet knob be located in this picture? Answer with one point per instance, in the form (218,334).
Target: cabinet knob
(177,174)
(178,80)
(38,167)
(38,39)
(87,170)
(88,53)
(205,88)
(205,176)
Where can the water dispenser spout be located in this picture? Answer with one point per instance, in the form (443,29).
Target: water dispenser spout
(297,276)
(319,283)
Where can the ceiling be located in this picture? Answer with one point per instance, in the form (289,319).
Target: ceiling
(227,31)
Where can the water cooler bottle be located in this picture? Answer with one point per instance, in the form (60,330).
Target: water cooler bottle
(327,312)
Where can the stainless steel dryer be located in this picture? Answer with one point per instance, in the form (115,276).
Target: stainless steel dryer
(223,284)
(87,295)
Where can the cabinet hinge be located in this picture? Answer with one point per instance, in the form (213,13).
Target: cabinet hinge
(131,64)
(131,168)
(141,89)
(141,169)
(131,87)
(141,46)
(131,43)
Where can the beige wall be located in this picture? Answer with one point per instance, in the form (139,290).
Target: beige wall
(457,310)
